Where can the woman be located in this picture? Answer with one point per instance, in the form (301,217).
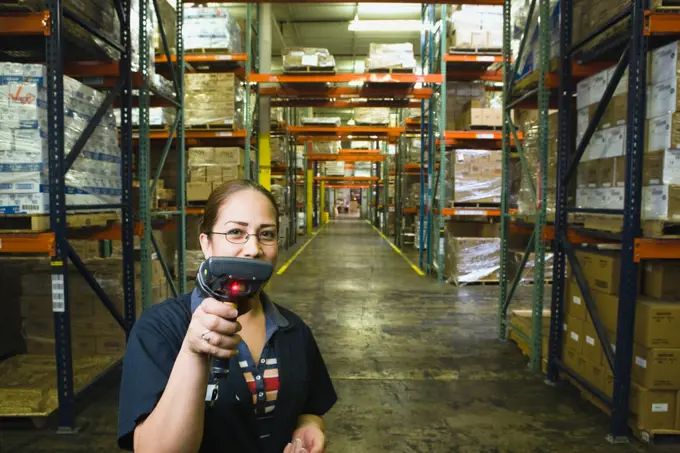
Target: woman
(278,387)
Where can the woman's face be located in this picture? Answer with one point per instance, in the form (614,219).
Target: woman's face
(246,212)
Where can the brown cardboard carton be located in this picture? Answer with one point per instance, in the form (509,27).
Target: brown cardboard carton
(230,156)
(594,373)
(573,334)
(197,174)
(677,413)
(213,174)
(575,305)
(608,381)
(661,167)
(232,172)
(571,360)
(198,191)
(610,172)
(616,112)
(592,348)
(657,324)
(654,409)
(200,156)
(661,279)
(110,344)
(601,270)
(656,369)
(661,202)
(663,132)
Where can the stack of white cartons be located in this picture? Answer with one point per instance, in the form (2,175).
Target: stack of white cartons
(476,27)
(362,169)
(158,116)
(336,168)
(94,177)
(390,56)
(211,28)
(213,99)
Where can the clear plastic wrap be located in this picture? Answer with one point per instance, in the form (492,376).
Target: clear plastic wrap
(307,57)
(478,176)
(322,120)
(277,148)
(325,147)
(211,28)
(390,56)
(469,260)
(372,115)
(476,27)
(216,99)
(94,177)
(515,259)
(279,192)
(413,150)
(412,199)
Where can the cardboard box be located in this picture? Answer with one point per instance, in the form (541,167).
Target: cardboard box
(615,141)
(573,334)
(616,112)
(230,156)
(656,369)
(592,348)
(583,94)
(661,167)
(598,85)
(664,63)
(232,172)
(611,172)
(575,305)
(677,412)
(601,270)
(200,156)
(571,360)
(661,278)
(588,173)
(213,173)
(663,132)
(594,373)
(661,202)
(663,98)
(198,191)
(608,381)
(654,409)
(197,174)
(657,324)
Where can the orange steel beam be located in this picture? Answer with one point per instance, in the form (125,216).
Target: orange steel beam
(448,2)
(346,157)
(373,77)
(345,104)
(346,92)
(469,75)
(347,178)
(659,23)
(462,58)
(346,130)
(28,243)
(359,151)
(198,134)
(17,24)
(348,186)
(646,248)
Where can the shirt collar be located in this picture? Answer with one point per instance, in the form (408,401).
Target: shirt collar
(271,312)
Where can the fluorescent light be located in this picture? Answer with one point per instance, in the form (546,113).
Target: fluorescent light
(387,25)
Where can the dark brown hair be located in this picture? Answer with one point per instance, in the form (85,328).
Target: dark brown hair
(223,193)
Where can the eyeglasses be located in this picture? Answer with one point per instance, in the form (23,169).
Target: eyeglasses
(241,237)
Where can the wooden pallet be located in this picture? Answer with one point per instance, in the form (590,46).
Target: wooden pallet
(32,223)
(210,127)
(614,224)
(28,382)
(489,282)
(391,71)
(481,50)
(522,345)
(311,70)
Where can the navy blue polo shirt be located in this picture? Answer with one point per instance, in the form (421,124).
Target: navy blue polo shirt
(248,416)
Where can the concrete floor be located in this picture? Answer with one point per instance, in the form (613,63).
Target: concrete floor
(418,368)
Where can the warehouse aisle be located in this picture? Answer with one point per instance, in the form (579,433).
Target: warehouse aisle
(418,367)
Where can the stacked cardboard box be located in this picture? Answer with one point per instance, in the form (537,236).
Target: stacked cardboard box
(278,150)
(477,176)
(390,56)
(521,324)
(322,121)
(362,169)
(308,57)
(335,168)
(370,116)
(213,99)
(471,252)
(210,168)
(211,28)
(94,177)
(477,116)
(325,148)
(459,95)
(531,56)
(93,330)
(476,27)
(656,356)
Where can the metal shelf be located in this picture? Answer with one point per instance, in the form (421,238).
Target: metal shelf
(372,77)
(345,131)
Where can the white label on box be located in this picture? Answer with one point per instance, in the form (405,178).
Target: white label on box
(224,57)
(660,407)
(486,58)
(564,326)
(58,300)
(485,136)
(660,133)
(574,336)
(640,362)
(310,60)
(224,134)
(613,348)
(590,340)
(577,300)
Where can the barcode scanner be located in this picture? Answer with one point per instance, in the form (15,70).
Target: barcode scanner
(231,281)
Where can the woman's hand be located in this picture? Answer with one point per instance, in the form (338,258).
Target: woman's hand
(309,438)
(211,333)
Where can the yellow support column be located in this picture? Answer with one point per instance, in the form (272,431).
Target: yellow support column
(265,155)
(322,203)
(309,184)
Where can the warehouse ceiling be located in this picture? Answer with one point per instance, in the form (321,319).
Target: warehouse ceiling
(325,25)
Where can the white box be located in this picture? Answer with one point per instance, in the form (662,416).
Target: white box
(655,201)
(598,146)
(598,85)
(663,98)
(582,122)
(615,141)
(664,63)
(613,197)
(622,87)
(659,133)
(35,203)
(671,168)
(583,94)
(584,198)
